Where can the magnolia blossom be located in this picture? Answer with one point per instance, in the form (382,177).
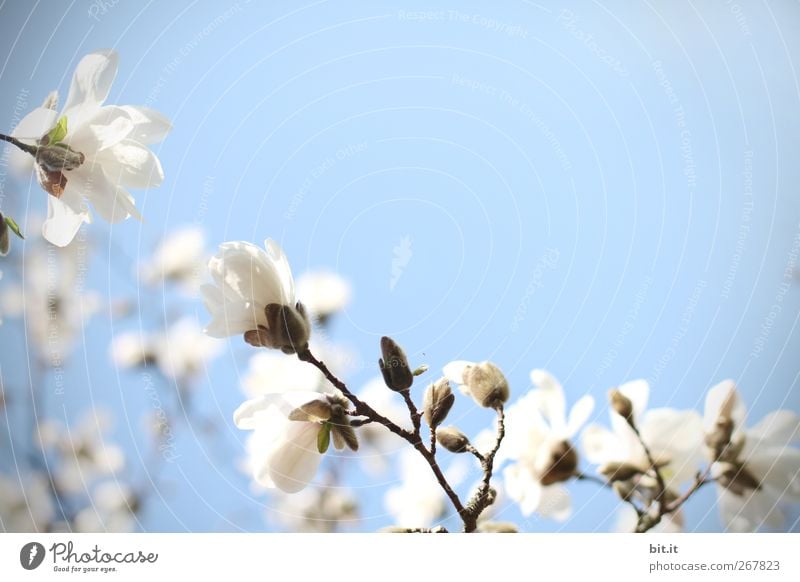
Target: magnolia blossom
(673,437)
(316,509)
(113,509)
(270,372)
(290,435)
(183,350)
(26,504)
(539,445)
(418,501)
(180,258)
(92,151)
(323,292)
(253,294)
(52,299)
(131,349)
(83,451)
(756,469)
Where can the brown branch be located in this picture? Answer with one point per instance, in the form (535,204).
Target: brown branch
(484,496)
(363,409)
(700,480)
(28,149)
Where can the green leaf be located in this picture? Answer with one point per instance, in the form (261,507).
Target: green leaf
(59,132)
(12,224)
(324,438)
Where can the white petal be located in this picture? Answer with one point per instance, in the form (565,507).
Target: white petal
(295,461)
(522,488)
(92,79)
(600,445)
(282,269)
(550,395)
(149,126)
(555,503)
(638,391)
(132,165)
(454,371)
(112,203)
(245,271)
(777,467)
(722,395)
(34,125)
(103,128)
(64,216)
(780,428)
(580,413)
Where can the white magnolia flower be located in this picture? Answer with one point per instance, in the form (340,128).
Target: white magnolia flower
(253,294)
(92,151)
(316,509)
(323,293)
(52,299)
(179,258)
(113,508)
(538,441)
(418,501)
(674,438)
(183,350)
(483,381)
(289,435)
(131,349)
(269,372)
(83,451)
(26,504)
(757,469)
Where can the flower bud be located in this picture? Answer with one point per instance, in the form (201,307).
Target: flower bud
(720,437)
(452,439)
(498,527)
(5,240)
(288,329)
(621,404)
(737,478)
(314,411)
(561,464)
(437,402)
(625,489)
(619,471)
(394,366)
(486,383)
(344,435)
(58,158)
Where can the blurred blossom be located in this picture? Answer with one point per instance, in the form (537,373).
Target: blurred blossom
(83,451)
(316,509)
(483,381)
(378,442)
(270,372)
(52,298)
(26,503)
(538,443)
(183,350)
(91,151)
(130,350)
(112,509)
(418,501)
(757,469)
(627,520)
(323,293)
(673,436)
(180,258)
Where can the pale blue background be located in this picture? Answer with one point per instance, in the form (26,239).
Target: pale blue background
(551,148)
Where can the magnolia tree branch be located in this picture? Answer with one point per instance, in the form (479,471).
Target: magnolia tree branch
(485,495)
(28,149)
(413,438)
(700,480)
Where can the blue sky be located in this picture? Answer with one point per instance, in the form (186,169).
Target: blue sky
(607,191)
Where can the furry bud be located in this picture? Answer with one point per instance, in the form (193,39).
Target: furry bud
(486,384)
(561,464)
(437,402)
(621,404)
(619,471)
(452,439)
(394,366)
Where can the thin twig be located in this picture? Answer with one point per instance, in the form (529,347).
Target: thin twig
(700,480)
(483,497)
(28,149)
(592,479)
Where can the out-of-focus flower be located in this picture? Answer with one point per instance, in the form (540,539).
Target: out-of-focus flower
(113,509)
(291,431)
(253,294)
(131,350)
(757,470)
(539,445)
(378,442)
(183,350)
(26,504)
(92,151)
(180,258)
(323,293)
(269,372)
(418,501)
(627,520)
(53,299)
(316,509)
(674,438)
(484,381)
(84,453)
